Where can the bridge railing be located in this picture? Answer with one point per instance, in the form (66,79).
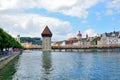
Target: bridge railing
(74,46)
(86,46)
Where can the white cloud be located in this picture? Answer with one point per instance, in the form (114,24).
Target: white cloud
(12,18)
(84,22)
(98,16)
(70,7)
(90,32)
(114,5)
(78,8)
(109,12)
(57,4)
(18,4)
(7,4)
(32,25)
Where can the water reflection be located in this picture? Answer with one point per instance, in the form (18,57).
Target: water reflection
(29,66)
(38,65)
(46,64)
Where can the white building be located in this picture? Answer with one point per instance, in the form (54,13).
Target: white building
(119,38)
(109,39)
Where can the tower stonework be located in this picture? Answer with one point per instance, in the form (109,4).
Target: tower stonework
(46,39)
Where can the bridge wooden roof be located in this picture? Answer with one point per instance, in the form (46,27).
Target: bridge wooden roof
(46,32)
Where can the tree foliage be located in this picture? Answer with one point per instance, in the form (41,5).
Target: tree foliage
(36,40)
(94,41)
(7,41)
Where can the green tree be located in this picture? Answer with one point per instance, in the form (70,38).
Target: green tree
(7,41)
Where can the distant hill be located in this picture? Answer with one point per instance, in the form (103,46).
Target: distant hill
(35,40)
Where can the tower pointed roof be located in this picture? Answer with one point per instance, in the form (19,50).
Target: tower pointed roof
(46,32)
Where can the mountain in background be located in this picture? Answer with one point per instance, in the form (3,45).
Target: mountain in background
(34,40)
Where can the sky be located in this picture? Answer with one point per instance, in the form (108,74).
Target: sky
(65,18)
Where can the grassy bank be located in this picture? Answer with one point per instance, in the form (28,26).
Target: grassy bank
(7,72)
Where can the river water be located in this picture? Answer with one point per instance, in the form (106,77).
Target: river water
(37,65)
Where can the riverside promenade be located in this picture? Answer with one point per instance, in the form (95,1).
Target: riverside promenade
(5,59)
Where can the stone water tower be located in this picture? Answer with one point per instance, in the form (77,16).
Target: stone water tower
(46,39)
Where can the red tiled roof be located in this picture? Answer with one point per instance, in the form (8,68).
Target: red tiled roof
(46,32)
(74,39)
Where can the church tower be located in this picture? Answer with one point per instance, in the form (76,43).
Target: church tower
(46,39)
(79,37)
(18,38)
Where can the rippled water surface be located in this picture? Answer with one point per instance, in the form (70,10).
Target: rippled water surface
(36,65)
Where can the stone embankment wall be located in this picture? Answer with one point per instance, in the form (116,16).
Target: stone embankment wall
(7,59)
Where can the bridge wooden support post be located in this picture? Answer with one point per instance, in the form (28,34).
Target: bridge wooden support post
(54,50)
(77,50)
(118,49)
(65,50)
(60,50)
(71,50)
(84,50)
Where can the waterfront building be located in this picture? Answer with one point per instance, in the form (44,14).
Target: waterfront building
(57,43)
(85,42)
(63,43)
(108,39)
(74,41)
(26,45)
(100,40)
(119,38)
(46,39)
(112,38)
(70,42)
(67,43)
(103,40)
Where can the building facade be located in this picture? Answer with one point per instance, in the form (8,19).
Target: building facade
(109,39)
(101,40)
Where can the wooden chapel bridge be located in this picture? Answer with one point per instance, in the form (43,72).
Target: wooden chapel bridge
(78,48)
